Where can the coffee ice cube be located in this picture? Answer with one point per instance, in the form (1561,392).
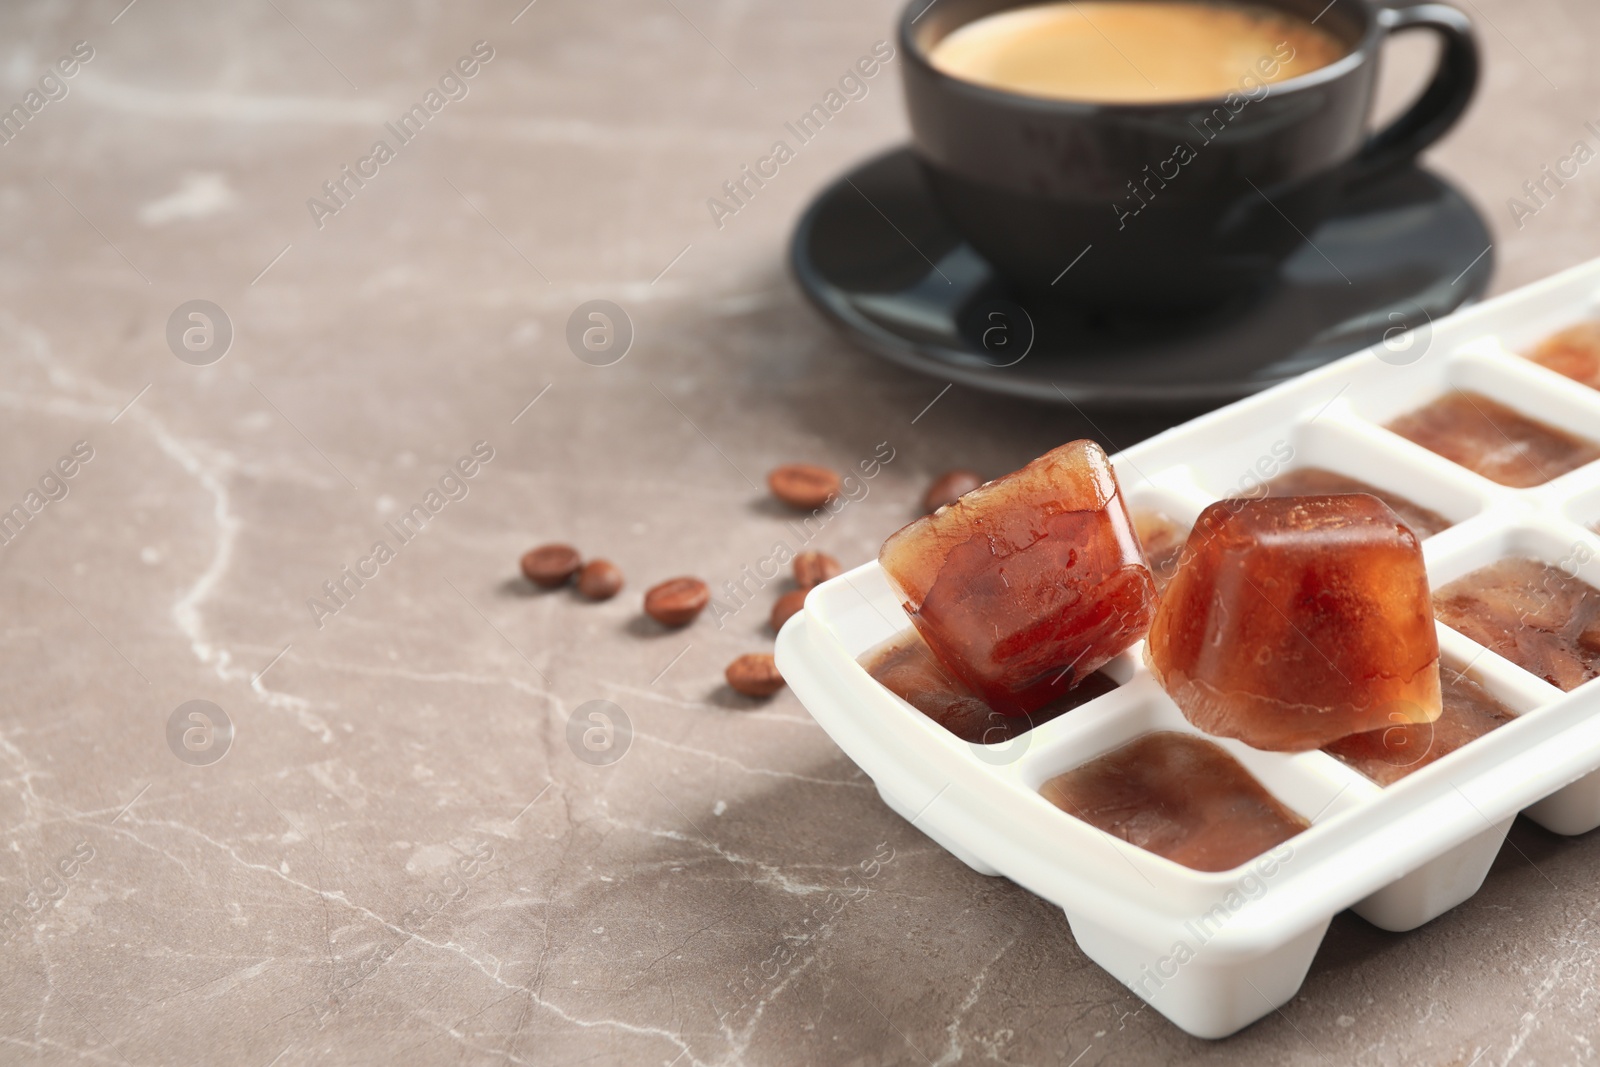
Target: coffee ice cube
(1178,796)
(1544,619)
(1027,585)
(1162,539)
(1296,621)
(906,667)
(1495,441)
(1318,481)
(1388,755)
(1574,352)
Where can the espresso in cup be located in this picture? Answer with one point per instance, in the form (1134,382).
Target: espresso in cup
(1160,154)
(1133,51)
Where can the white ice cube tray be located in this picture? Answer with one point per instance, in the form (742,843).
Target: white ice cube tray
(1215,951)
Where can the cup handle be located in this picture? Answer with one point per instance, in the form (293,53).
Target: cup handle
(1441,103)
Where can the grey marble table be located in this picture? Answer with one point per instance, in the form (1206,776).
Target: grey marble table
(400,857)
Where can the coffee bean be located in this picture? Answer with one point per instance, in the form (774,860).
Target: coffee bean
(600,579)
(814,568)
(803,486)
(676,601)
(551,565)
(787,605)
(755,674)
(948,487)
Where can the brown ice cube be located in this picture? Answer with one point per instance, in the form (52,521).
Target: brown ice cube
(906,667)
(1503,445)
(1178,796)
(1296,621)
(1163,543)
(1542,618)
(1388,755)
(1028,584)
(1589,639)
(1318,481)
(1574,352)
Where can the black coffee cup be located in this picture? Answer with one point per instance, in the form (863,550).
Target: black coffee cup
(1084,202)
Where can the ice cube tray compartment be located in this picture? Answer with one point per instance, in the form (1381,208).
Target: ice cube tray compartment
(1398,855)
(1487,371)
(1312,785)
(1529,535)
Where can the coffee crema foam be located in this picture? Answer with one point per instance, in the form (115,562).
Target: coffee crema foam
(1133,51)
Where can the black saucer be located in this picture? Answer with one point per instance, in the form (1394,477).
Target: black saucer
(875,255)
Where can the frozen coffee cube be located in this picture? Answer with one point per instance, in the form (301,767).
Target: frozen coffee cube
(1544,619)
(906,667)
(1162,539)
(1495,441)
(1177,796)
(1574,352)
(1028,584)
(1318,481)
(1297,621)
(1388,755)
